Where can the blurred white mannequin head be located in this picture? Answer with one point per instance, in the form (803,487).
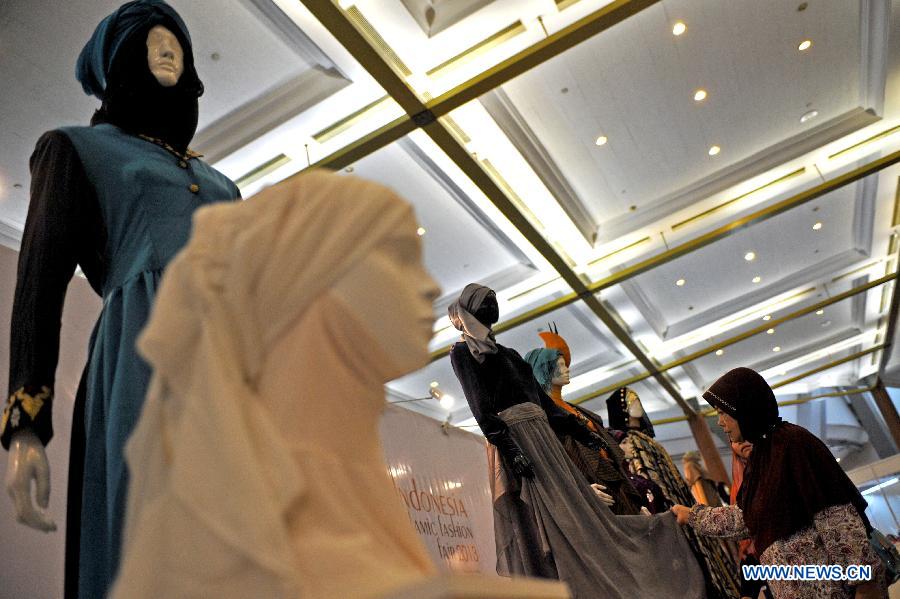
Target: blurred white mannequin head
(392,295)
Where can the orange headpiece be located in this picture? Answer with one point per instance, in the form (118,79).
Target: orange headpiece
(552,340)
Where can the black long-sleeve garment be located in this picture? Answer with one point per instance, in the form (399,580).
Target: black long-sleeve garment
(503,380)
(64,229)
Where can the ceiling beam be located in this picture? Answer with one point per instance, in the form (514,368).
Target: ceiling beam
(781,404)
(335,21)
(419,113)
(829,366)
(695,244)
(740,337)
(536,54)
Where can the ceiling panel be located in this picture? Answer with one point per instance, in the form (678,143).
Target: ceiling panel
(787,251)
(635,84)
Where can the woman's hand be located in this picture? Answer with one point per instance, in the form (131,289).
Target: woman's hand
(682,513)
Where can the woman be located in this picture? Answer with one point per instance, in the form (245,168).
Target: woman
(740,453)
(795,503)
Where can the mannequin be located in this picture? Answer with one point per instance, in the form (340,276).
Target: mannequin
(702,487)
(295,307)
(648,458)
(548,522)
(116,199)
(604,469)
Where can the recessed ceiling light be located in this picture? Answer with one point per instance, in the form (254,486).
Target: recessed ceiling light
(809,115)
(820,312)
(433,384)
(420,231)
(601,141)
(757,279)
(817,226)
(700,95)
(720,352)
(776,348)
(713,150)
(805,45)
(767,317)
(770,332)
(750,256)
(680,282)
(678,28)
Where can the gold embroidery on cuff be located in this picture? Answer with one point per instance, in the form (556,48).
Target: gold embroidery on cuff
(32,404)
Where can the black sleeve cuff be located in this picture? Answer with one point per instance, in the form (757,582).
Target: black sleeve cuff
(28,409)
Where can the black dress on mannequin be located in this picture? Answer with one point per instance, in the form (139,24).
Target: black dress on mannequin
(548,522)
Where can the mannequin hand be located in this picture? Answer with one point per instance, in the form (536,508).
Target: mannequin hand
(645,511)
(521,466)
(604,497)
(682,513)
(27,461)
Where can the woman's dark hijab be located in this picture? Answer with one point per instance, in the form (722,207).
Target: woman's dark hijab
(113,67)
(791,475)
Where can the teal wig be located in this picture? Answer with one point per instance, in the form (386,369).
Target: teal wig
(543,363)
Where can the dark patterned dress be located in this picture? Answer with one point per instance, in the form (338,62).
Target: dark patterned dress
(837,537)
(652,461)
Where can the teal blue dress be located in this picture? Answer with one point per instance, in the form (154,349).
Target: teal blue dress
(145,195)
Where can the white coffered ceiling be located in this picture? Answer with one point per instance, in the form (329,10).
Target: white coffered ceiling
(282,93)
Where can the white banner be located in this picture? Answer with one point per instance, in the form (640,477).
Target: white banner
(441,479)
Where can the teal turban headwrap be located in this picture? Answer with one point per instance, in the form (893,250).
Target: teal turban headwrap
(97,57)
(543,363)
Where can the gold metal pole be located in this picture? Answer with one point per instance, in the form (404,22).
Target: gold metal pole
(702,241)
(790,402)
(357,44)
(828,366)
(740,337)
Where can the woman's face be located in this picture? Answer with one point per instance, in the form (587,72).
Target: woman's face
(165,57)
(561,376)
(731,428)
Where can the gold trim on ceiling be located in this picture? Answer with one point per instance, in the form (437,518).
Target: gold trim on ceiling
(798,295)
(527,291)
(869,140)
(267,167)
(619,251)
(849,274)
(479,49)
(706,213)
(828,366)
(510,193)
(896,220)
(561,5)
(338,127)
(759,329)
(356,17)
(456,129)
